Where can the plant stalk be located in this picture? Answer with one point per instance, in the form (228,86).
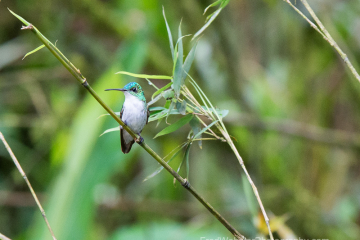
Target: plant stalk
(17,164)
(82,80)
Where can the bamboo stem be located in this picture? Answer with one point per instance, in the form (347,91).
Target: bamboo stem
(326,35)
(81,79)
(17,164)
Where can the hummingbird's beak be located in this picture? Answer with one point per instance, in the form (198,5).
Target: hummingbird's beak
(116,89)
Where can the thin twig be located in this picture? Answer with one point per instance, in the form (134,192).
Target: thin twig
(17,164)
(325,34)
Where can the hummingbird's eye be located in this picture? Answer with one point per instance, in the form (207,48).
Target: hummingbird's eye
(134,89)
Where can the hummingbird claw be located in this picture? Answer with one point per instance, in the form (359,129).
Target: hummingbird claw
(140,140)
(186,184)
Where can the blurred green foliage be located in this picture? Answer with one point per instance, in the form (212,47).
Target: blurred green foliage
(294,111)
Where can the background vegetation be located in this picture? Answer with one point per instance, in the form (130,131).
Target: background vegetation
(293,111)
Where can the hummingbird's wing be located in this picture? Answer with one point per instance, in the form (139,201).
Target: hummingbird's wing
(148,114)
(125,147)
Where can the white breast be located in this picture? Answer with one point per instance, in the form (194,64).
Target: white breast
(134,115)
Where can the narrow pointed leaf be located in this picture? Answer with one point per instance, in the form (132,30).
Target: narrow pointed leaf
(110,130)
(168,94)
(161,89)
(20,18)
(187,152)
(172,105)
(188,62)
(205,128)
(145,75)
(173,127)
(170,36)
(214,15)
(180,45)
(181,107)
(212,5)
(177,77)
(196,128)
(33,51)
(107,114)
(224,3)
(161,167)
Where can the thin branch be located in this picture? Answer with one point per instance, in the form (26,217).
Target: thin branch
(82,80)
(17,164)
(325,34)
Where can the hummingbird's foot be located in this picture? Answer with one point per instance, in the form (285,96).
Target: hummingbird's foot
(139,140)
(186,184)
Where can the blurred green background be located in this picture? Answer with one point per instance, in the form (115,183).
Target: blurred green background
(294,112)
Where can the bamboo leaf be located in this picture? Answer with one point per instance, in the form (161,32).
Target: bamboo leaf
(188,62)
(204,129)
(20,18)
(212,5)
(171,107)
(187,152)
(110,130)
(145,75)
(214,15)
(33,51)
(173,127)
(180,46)
(196,128)
(170,36)
(181,107)
(161,167)
(107,114)
(177,76)
(224,3)
(161,89)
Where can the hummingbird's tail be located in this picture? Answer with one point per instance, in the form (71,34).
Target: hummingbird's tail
(125,147)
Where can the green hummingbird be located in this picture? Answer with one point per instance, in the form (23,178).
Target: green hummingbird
(134,113)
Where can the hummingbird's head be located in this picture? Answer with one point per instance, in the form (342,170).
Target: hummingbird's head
(132,88)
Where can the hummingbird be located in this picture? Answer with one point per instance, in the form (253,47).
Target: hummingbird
(134,113)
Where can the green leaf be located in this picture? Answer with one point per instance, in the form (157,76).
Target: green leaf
(162,114)
(214,15)
(181,122)
(170,36)
(107,114)
(152,109)
(212,5)
(204,129)
(161,167)
(187,152)
(188,62)
(20,18)
(168,94)
(167,104)
(110,130)
(224,3)
(180,45)
(161,89)
(144,75)
(181,107)
(177,77)
(196,128)
(171,107)
(33,51)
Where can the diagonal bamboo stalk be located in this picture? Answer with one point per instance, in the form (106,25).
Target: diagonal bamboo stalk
(82,80)
(326,35)
(28,183)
